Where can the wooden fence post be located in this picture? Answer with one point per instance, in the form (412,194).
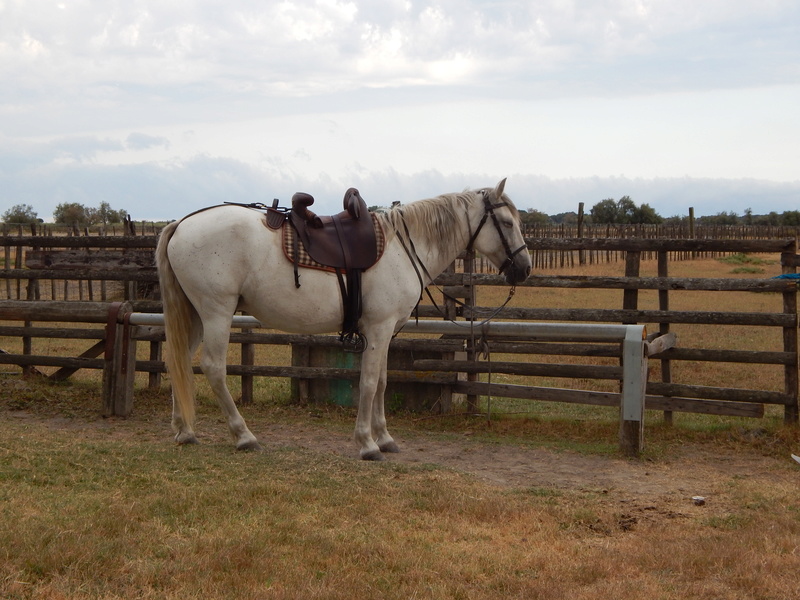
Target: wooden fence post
(119,370)
(663,329)
(154,378)
(630,297)
(791,414)
(634,382)
(248,356)
(469,267)
(581,253)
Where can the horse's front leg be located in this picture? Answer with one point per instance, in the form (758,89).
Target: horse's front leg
(380,433)
(372,383)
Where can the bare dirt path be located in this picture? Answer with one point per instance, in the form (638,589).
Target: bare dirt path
(673,481)
(693,473)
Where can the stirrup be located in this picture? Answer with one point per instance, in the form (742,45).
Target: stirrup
(354,342)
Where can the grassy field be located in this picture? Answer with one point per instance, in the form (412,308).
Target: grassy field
(93,508)
(112,509)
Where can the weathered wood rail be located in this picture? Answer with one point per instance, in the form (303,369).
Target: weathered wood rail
(445,372)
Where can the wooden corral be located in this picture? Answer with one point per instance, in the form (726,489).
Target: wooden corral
(33,262)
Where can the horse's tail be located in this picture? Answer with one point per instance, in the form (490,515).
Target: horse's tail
(178,314)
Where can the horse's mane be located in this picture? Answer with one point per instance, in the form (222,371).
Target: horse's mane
(434,219)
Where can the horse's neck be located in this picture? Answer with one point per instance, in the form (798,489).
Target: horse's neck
(434,255)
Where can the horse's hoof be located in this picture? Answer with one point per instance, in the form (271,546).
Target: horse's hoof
(251,446)
(374,455)
(390,447)
(186,439)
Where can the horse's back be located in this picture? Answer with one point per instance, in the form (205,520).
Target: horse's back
(226,259)
(212,252)
(215,226)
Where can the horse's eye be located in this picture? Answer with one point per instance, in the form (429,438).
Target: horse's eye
(508,224)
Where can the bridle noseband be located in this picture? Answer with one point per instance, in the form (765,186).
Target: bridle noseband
(488,210)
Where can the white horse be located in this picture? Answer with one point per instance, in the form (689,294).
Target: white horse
(223,259)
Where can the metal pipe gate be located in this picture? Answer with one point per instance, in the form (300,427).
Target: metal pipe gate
(632,338)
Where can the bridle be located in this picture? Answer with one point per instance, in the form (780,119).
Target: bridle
(488,210)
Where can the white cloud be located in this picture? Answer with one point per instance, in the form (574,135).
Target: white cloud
(142,141)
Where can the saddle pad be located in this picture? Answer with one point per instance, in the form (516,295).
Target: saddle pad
(304,260)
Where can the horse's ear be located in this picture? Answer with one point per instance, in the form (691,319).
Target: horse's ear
(498,191)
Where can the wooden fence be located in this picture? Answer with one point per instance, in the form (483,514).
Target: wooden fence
(449,371)
(560,258)
(99,265)
(83,268)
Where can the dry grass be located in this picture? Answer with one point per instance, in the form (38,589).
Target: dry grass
(112,511)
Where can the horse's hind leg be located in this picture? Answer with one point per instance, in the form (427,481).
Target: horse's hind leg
(213,362)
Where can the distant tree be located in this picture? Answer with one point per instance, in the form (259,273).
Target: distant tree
(772,218)
(727,218)
(626,210)
(605,211)
(568,218)
(106,215)
(533,217)
(721,218)
(21,213)
(646,214)
(676,220)
(70,213)
(791,218)
(623,211)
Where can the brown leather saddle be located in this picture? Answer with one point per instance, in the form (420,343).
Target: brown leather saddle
(346,243)
(343,241)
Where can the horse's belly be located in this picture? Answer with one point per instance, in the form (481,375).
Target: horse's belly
(314,307)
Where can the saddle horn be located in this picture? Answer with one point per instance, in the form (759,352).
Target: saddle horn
(300,203)
(352,203)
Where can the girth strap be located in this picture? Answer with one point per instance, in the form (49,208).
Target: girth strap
(296,252)
(352,339)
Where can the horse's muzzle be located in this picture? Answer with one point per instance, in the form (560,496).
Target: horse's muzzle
(519,269)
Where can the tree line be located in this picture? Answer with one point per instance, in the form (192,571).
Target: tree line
(66,213)
(626,212)
(609,211)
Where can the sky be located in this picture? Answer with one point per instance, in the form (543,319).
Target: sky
(164,107)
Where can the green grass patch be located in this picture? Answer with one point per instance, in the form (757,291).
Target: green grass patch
(741,258)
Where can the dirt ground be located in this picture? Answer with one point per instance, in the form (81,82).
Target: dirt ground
(663,484)
(695,472)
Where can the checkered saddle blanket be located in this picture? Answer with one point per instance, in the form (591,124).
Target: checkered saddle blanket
(303,259)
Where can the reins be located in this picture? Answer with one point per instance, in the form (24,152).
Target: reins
(415,260)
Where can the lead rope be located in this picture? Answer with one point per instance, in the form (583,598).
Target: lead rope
(482,350)
(484,343)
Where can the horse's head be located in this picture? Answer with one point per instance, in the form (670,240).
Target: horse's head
(498,235)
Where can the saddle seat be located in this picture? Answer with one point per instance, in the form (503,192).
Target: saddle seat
(346,243)
(346,240)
